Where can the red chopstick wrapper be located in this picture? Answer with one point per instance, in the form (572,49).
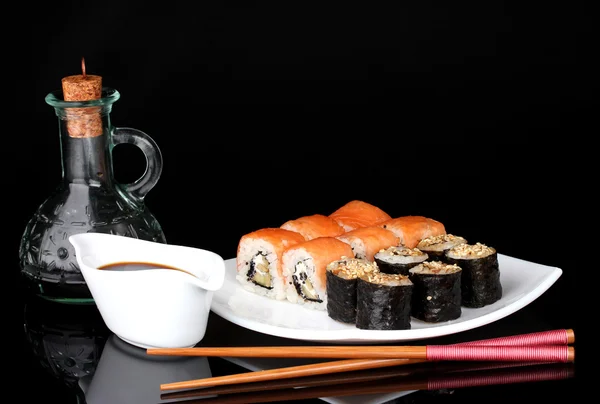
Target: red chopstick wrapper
(546,353)
(552,337)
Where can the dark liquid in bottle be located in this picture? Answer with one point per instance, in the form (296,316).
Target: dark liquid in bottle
(137,266)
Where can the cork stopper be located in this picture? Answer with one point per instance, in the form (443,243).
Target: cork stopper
(83,122)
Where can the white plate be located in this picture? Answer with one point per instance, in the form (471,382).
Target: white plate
(522,282)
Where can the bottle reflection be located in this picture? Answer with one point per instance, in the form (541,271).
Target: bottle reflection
(67,340)
(72,343)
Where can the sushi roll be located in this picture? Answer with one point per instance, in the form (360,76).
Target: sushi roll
(412,229)
(399,259)
(303,268)
(341,280)
(436,293)
(314,226)
(383,301)
(356,213)
(258,260)
(480,279)
(436,246)
(367,241)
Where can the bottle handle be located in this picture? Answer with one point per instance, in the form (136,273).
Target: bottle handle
(139,188)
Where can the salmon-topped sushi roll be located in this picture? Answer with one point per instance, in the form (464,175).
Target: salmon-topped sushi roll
(314,226)
(304,267)
(357,214)
(367,241)
(258,260)
(436,228)
(412,229)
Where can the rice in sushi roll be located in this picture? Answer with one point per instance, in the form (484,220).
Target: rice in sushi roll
(398,259)
(303,268)
(436,293)
(436,246)
(383,301)
(258,260)
(342,278)
(480,280)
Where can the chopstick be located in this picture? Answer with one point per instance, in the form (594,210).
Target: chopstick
(544,338)
(560,338)
(555,353)
(290,372)
(302,381)
(543,372)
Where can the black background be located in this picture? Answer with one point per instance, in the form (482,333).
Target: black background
(266,112)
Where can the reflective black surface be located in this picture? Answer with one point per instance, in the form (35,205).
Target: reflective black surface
(74,358)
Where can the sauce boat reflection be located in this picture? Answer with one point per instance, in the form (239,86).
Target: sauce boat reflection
(164,305)
(126,374)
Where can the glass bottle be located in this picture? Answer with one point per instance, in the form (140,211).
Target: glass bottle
(88,199)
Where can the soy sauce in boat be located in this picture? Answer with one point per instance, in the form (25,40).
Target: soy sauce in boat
(137,266)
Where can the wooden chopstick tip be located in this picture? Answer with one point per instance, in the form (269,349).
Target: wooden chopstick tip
(571,354)
(570,336)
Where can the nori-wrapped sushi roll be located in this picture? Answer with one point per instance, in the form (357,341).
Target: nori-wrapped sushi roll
(383,301)
(436,293)
(399,259)
(341,277)
(436,246)
(480,279)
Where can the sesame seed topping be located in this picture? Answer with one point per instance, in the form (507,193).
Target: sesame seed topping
(471,250)
(440,239)
(435,267)
(352,268)
(385,278)
(402,251)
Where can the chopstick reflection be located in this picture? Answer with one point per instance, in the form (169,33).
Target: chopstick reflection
(426,376)
(307,381)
